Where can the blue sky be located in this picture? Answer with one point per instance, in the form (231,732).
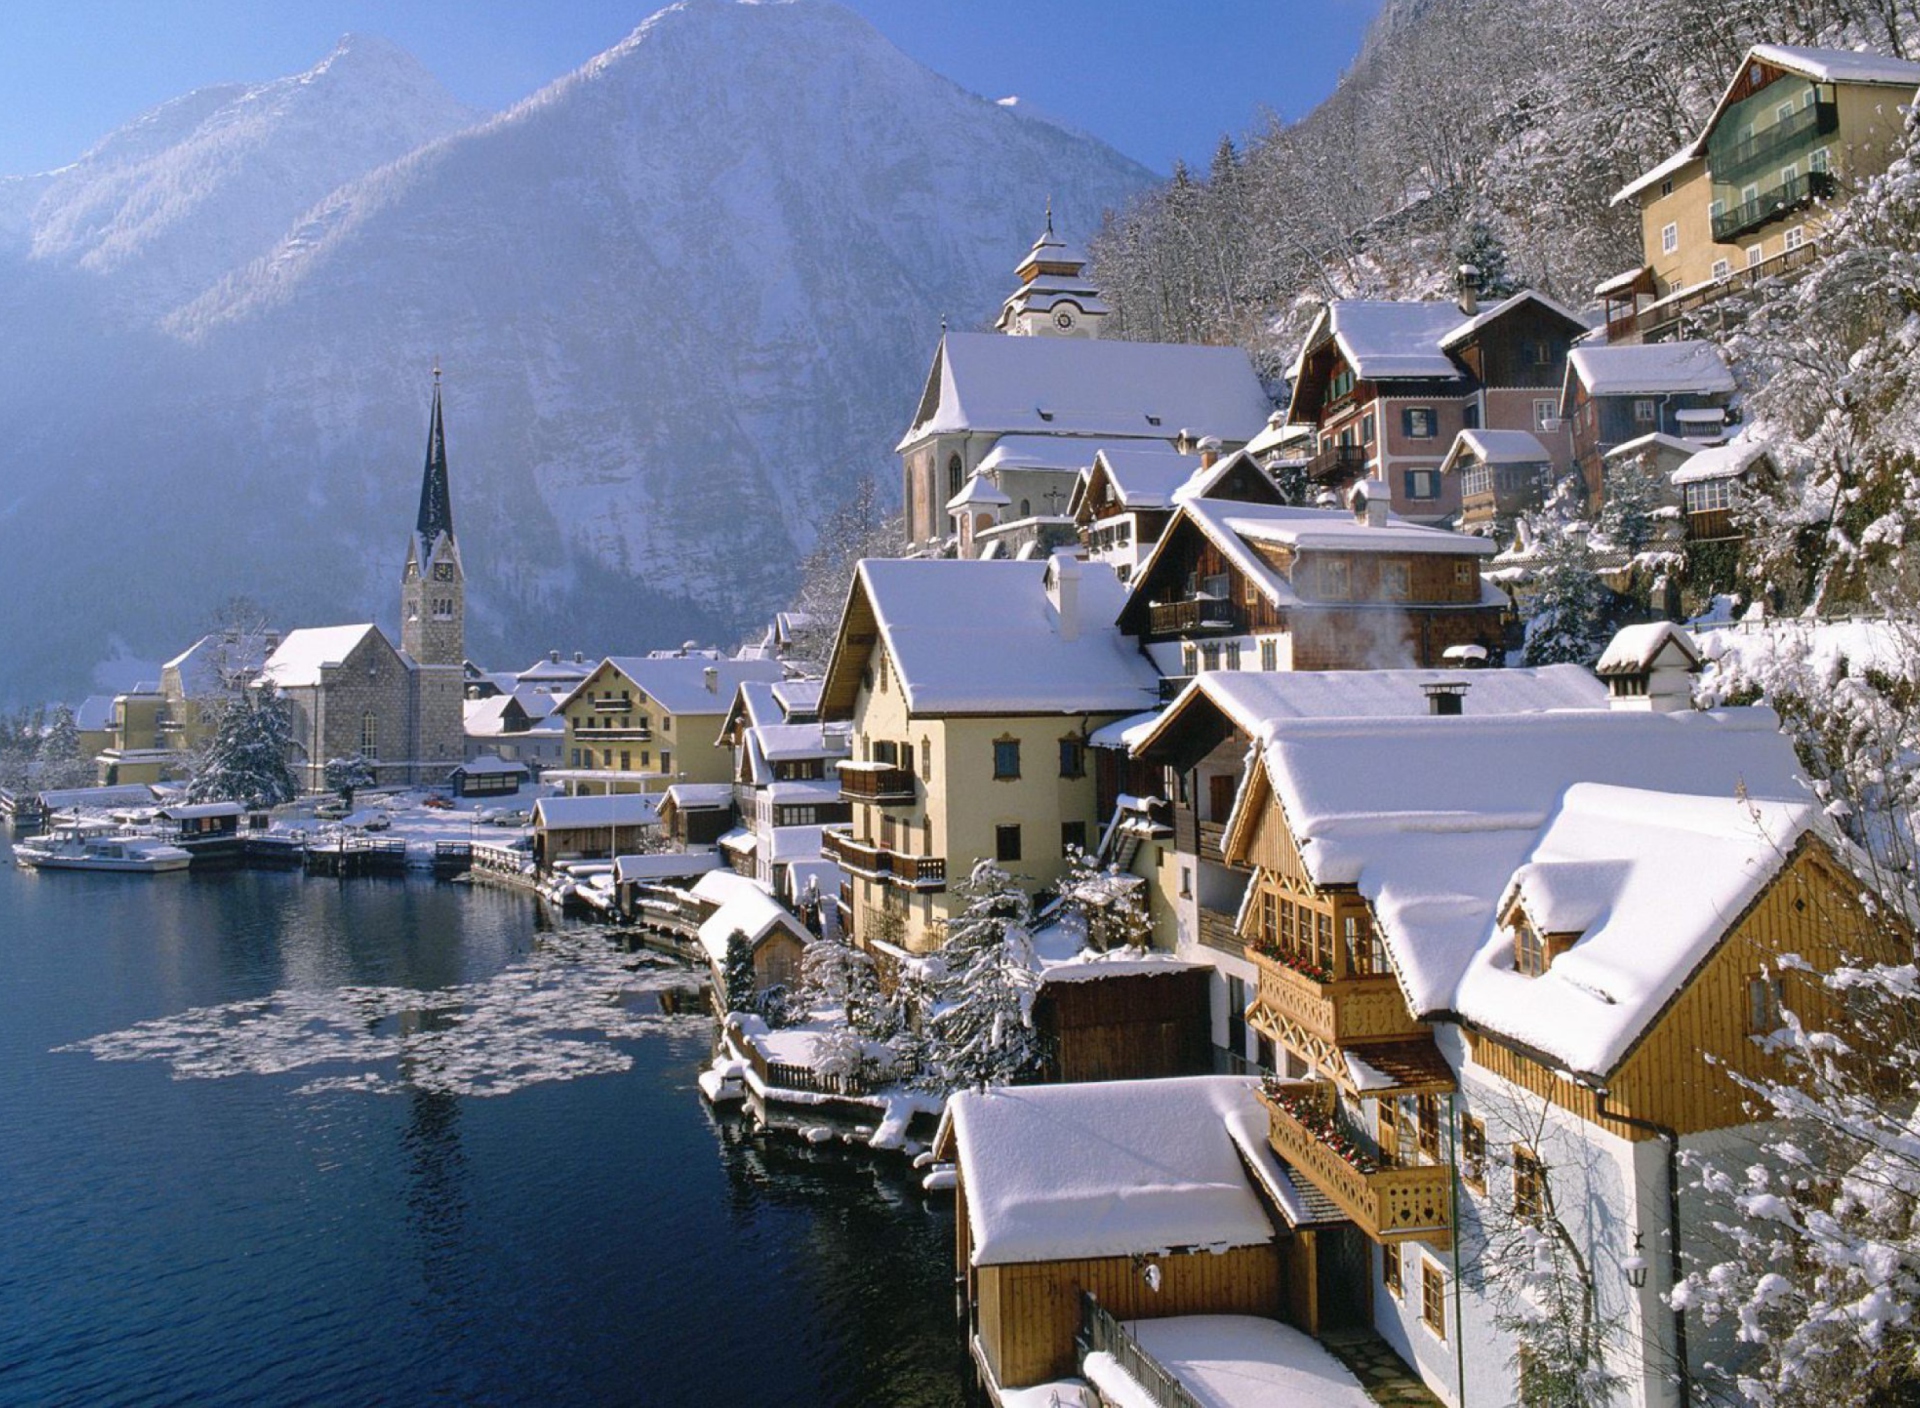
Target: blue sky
(1157,79)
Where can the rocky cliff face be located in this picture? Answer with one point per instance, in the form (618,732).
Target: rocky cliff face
(684,298)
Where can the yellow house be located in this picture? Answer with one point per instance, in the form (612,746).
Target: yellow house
(641,723)
(972,688)
(1796,130)
(139,748)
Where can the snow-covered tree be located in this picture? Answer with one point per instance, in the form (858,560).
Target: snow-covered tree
(1109,904)
(980,1031)
(246,758)
(835,974)
(1480,248)
(58,756)
(1568,608)
(859,528)
(1833,358)
(343,775)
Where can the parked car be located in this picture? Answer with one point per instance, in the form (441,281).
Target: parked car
(331,811)
(378,821)
(511,819)
(438,803)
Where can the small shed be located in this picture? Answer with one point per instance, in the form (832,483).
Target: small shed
(774,938)
(203,821)
(592,828)
(488,777)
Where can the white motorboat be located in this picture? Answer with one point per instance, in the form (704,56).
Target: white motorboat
(78,850)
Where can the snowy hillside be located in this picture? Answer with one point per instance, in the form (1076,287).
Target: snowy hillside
(684,298)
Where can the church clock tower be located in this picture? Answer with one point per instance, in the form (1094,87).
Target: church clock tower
(433,588)
(1055,297)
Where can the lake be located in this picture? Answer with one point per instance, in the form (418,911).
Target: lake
(270,1139)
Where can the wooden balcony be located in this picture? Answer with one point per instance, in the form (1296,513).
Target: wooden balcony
(1770,205)
(1217,932)
(1337,464)
(1201,613)
(879,863)
(1389,1204)
(1711,525)
(879,783)
(639,733)
(1344,1012)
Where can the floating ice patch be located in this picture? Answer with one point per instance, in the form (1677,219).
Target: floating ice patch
(553,1016)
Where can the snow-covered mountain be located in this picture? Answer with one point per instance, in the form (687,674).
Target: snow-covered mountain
(684,298)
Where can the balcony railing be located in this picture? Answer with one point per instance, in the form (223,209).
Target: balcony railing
(1100,1333)
(1767,147)
(1213,837)
(880,863)
(1389,1204)
(613,706)
(881,783)
(638,733)
(1200,613)
(1769,206)
(1336,464)
(1344,1012)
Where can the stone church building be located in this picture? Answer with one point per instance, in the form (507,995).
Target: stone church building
(353,694)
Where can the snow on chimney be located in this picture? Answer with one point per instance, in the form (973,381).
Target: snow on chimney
(1369,500)
(1209,451)
(579,657)
(553,656)
(712,678)
(1063,590)
(1468,281)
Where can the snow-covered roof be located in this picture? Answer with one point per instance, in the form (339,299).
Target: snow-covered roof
(1088,387)
(1206,479)
(1651,882)
(979,490)
(1650,368)
(1234,1361)
(490,767)
(303,653)
(784,743)
(1430,818)
(1384,339)
(1467,328)
(579,813)
(1687,155)
(791,843)
(1636,649)
(1045,452)
(680,684)
(1256,700)
(1501,447)
(1119,1168)
(1146,475)
(1658,439)
(1728,461)
(485,718)
(716,887)
(1634,278)
(123,794)
(754,913)
(973,637)
(201,810)
(1839,65)
(668,865)
(701,795)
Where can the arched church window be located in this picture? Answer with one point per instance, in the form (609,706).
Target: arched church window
(1026,509)
(955,473)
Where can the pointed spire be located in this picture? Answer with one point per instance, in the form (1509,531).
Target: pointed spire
(1049,214)
(436,494)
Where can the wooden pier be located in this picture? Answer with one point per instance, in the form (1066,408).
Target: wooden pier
(357,855)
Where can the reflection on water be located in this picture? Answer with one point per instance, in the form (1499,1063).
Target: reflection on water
(245,1160)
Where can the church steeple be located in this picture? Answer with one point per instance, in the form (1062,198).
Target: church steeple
(1055,298)
(433,585)
(436,494)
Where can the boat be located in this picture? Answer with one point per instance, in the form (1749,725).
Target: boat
(78,850)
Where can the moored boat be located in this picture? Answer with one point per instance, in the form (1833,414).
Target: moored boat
(75,850)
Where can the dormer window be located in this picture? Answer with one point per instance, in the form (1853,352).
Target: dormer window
(1529,948)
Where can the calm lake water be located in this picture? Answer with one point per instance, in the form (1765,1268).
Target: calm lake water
(269,1140)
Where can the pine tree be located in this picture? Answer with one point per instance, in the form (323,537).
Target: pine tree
(740,984)
(1568,606)
(59,758)
(343,775)
(981,1027)
(246,758)
(1479,246)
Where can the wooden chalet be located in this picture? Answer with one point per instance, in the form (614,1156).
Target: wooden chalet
(1258,586)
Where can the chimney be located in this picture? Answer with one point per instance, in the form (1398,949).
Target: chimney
(553,657)
(1468,282)
(1446,698)
(579,657)
(1209,451)
(712,678)
(1369,500)
(1183,442)
(1063,590)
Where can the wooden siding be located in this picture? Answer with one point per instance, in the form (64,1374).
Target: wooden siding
(1027,1314)
(1808,910)
(1137,1027)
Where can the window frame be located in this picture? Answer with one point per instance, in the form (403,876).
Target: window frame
(1473,1152)
(1670,237)
(1006,759)
(1006,843)
(1433,1298)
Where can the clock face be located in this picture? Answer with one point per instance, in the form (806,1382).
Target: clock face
(1063,319)
(443,571)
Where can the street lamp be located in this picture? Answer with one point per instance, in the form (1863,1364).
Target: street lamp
(1636,1265)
